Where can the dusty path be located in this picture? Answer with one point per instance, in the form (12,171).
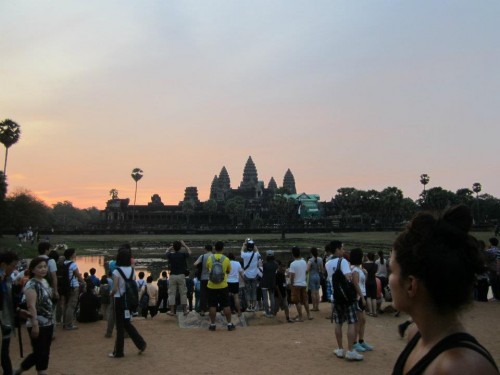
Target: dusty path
(265,348)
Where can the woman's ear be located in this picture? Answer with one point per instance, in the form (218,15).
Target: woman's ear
(412,286)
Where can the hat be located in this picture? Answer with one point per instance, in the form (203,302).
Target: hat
(270,253)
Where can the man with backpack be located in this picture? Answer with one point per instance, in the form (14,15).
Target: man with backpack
(68,282)
(345,308)
(218,266)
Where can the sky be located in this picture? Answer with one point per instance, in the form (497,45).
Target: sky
(363,94)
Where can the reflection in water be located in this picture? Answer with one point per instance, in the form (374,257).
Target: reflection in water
(152,267)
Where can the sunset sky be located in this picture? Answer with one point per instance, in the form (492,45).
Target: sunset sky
(364,94)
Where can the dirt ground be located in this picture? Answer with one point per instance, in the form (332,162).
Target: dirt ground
(264,347)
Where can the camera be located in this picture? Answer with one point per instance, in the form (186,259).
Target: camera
(250,244)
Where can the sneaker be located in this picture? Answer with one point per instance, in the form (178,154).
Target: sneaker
(231,327)
(366,346)
(359,348)
(70,327)
(114,355)
(211,327)
(339,353)
(353,356)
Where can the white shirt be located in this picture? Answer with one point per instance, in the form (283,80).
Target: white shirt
(299,268)
(234,275)
(252,271)
(127,271)
(331,266)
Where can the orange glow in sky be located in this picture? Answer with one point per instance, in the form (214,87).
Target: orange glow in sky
(346,94)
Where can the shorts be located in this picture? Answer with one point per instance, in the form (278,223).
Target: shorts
(371,291)
(233,288)
(314,282)
(360,307)
(346,313)
(218,297)
(283,301)
(299,295)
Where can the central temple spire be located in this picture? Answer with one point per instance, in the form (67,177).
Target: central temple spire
(250,178)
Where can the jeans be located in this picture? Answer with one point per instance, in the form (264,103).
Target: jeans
(122,325)
(250,289)
(268,296)
(41,350)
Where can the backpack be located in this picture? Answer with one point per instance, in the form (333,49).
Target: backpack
(217,272)
(343,290)
(104,293)
(63,279)
(144,302)
(131,291)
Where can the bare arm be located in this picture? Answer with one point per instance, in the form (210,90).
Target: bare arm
(187,248)
(78,275)
(54,284)
(116,280)
(355,281)
(31,302)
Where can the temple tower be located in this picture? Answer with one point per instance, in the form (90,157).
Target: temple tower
(250,179)
(224,180)
(191,194)
(272,185)
(289,182)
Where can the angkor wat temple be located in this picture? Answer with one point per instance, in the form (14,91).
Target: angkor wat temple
(250,206)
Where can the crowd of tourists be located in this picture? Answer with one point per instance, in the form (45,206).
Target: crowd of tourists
(434,269)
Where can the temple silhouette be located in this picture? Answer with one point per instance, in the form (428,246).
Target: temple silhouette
(251,205)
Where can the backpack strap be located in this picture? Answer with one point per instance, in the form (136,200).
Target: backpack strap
(250,261)
(72,274)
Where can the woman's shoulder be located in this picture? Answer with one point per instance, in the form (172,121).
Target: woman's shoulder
(461,361)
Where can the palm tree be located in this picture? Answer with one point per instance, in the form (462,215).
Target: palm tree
(113,193)
(137,174)
(9,135)
(424,180)
(476,188)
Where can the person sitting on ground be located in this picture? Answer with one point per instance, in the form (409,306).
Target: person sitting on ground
(94,278)
(433,265)
(152,291)
(89,304)
(104,297)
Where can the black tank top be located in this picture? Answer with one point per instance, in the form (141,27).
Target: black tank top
(456,340)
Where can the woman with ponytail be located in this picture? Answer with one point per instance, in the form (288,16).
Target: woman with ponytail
(433,265)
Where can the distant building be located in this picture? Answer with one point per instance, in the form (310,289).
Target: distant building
(257,198)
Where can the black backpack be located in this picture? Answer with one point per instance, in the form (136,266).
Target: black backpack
(217,272)
(63,279)
(131,292)
(344,293)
